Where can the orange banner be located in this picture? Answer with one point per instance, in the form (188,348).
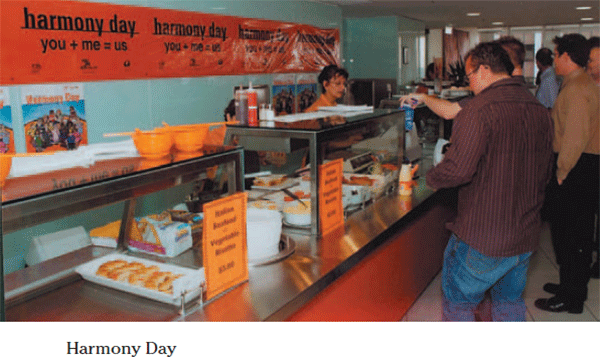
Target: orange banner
(224,248)
(331,208)
(46,41)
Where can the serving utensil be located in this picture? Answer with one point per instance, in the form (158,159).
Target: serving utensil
(292,195)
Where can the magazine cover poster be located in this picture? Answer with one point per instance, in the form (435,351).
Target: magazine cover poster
(7,137)
(54,117)
(284,94)
(306,91)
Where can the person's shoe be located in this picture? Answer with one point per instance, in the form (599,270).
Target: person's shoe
(595,270)
(555,304)
(551,288)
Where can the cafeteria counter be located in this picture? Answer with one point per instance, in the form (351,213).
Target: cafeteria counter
(372,269)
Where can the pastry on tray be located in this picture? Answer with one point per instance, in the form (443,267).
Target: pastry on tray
(271,180)
(136,273)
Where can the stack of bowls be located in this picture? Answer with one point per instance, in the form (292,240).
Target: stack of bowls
(188,138)
(153,144)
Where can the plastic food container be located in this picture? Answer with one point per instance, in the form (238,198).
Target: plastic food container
(153,144)
(188,138)
(263,233)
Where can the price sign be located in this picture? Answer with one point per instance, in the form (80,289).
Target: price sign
(331,209)
(224,243)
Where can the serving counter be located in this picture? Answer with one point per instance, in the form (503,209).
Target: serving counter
(325,137)
(370,270)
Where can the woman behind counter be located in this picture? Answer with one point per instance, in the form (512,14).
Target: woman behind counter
(333,81)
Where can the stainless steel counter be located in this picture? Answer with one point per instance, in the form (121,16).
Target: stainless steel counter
(273,292)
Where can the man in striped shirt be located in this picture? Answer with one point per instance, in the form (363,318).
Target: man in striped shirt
(501,161)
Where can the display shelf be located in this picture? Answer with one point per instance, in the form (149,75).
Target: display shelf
(142,177)
(367,131)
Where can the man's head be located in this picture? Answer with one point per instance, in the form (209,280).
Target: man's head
(593,66)
(571,51)
(516,51)
(543,58)
(485,64)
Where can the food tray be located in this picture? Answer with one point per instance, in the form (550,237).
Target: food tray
(378,185)
(189,283)
(289,182)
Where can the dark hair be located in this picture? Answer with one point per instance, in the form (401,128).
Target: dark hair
(491,54)
(594,42)
(544,56)
(230,109)
(330,72)
(515,49)
(576,46)
(430,72)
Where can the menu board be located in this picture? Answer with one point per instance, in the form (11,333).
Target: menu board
(331,209)
(71,41)
(224,244)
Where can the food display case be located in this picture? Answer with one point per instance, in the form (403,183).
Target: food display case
(32,200)
(361,138)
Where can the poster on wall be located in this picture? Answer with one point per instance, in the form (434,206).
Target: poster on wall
(283,93)
(54,117)
(306,90)
(74,41)
(7,136)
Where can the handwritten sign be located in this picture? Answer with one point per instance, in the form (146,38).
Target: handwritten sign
(224,243)
(331,209)
(73,41)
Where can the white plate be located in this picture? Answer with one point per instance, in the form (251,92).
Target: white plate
(190,280)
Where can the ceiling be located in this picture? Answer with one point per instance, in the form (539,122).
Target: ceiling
(440,13)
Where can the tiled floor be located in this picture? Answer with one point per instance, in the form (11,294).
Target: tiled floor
(542,269)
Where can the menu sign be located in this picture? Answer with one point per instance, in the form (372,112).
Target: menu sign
(224,243)
(70,41)
(331,209)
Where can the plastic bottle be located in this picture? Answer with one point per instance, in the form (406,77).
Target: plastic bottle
(409,116)
(236,100)
(252,106)
(241,113)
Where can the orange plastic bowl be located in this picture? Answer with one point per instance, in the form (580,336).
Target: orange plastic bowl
(189,138)
(153,144)
(5,163)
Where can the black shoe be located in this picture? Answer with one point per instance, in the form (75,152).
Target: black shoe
(595,270)
(555,304)
(551,288)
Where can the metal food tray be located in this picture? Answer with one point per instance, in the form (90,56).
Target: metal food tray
(186,286)
(378,186)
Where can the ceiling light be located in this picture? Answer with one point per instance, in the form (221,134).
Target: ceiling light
(583,8)
(497,23)
(473,14)
(587,18)
(448,30)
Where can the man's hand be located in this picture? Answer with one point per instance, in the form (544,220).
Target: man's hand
(560,182)
(412,99)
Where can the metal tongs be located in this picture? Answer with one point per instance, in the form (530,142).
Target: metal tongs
(292,195)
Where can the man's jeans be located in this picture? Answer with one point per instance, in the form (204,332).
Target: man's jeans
(468,274)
